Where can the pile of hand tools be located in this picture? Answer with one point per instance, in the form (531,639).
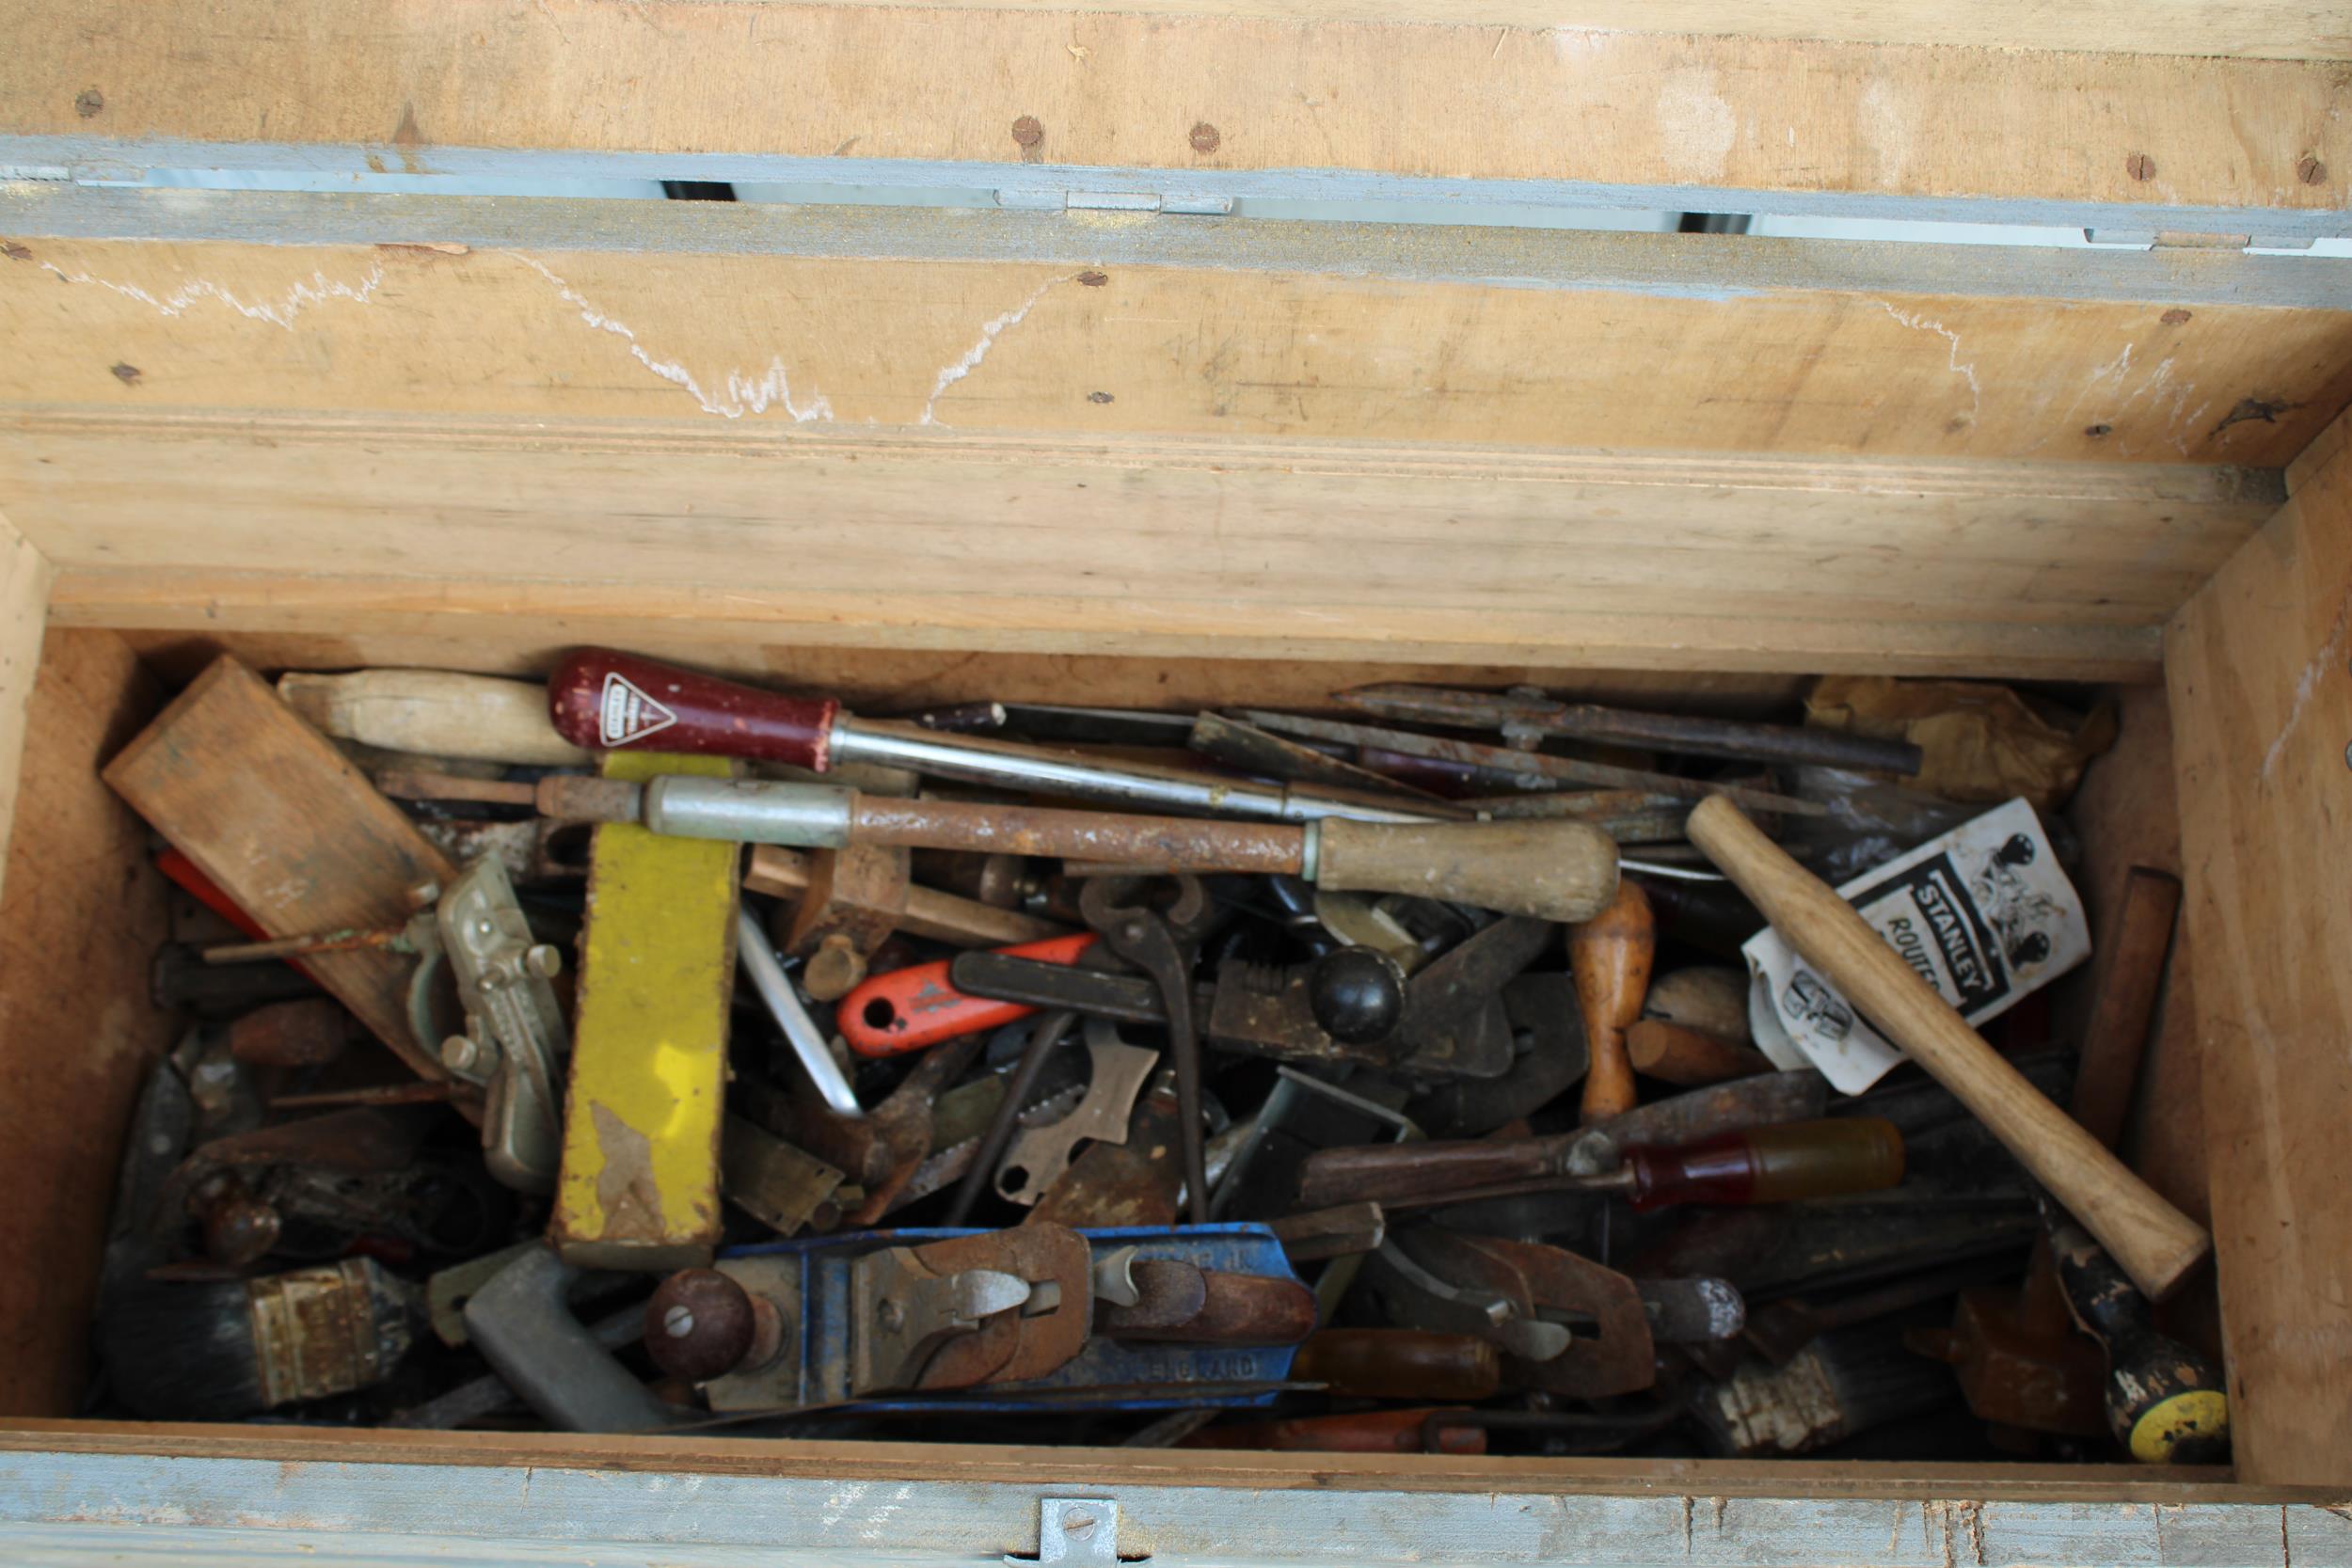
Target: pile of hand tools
(650,1052)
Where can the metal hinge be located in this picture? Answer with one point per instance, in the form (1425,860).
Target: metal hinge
(1191,203)
(1076,1530)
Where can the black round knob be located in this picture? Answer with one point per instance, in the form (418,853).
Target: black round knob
(1356,995)
(699,1326)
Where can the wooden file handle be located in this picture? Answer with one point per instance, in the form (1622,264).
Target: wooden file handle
(2155,1243)
(1611,954)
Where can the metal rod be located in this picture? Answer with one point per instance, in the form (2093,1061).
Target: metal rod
(296,947)
(975,760)
(784,1006)
(1535,714)
(1504,758)
(1044,1035)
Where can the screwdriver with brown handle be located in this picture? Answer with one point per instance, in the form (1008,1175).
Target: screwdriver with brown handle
(2155,1244)
(1552,870)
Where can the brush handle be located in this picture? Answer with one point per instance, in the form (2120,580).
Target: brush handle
(2155,1243)
(604,700)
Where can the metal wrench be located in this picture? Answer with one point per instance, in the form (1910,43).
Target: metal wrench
(1162,945)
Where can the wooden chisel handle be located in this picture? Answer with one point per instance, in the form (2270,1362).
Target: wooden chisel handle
(2155,1243)
(1610,955)
(1384,1172)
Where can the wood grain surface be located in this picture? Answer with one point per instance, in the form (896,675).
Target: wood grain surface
(1437,91)
(79,921)
(2260,670)
(25,581)
(286,826)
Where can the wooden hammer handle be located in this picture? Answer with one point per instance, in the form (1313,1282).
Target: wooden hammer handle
(2155,1243)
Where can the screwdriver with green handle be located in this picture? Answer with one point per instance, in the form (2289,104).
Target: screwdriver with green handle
(1780,1164)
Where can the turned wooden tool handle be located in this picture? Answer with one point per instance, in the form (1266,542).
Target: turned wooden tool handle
(2155,1243)
(1555,870)
(1688,1057)
(608,701)
(1381,1173)
(1610,954)
(435,712)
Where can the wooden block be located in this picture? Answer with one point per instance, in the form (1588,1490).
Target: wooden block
(639,1187)
(858,893)
(273,814)
(782,873)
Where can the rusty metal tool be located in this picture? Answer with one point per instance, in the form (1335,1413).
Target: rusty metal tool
(1161,945)
(1040,1155)
(2155,1243)
(1553,871)
(1522,1296)
(1426,1170)
(1548,1038)
(1524,714)
(1137,1182)
(880,1150)
(507,1038)
(1536,764)
(1268,755)
(778,1184)
(1831,1158)
(1451,1021)
(1046,1031)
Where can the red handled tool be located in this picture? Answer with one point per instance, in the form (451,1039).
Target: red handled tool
(915,1008)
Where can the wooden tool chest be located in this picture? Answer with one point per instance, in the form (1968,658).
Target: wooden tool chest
(1141,425)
